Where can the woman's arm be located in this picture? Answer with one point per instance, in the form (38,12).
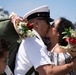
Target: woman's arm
(55,70)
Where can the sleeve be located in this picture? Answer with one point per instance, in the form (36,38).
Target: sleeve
(31,53)
(37,52)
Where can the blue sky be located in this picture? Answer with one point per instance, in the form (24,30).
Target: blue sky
(58,8)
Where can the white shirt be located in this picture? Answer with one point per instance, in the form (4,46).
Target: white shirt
(32,52)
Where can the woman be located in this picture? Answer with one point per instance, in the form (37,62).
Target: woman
(57,54)
(4,52)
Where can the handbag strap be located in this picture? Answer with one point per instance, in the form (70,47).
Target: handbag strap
(31,71)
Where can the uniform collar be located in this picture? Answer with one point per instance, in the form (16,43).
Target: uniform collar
(37,34)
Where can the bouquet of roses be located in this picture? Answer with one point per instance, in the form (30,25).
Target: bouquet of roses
(22,27)
(70,37)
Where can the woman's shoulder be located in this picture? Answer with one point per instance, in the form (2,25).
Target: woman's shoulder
(58,49)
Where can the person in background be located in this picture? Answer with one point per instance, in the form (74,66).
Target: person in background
(8,32)
(58,55)
(33,51)
(4,53)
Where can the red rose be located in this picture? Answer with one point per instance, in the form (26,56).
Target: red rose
(30,26)
(72,40)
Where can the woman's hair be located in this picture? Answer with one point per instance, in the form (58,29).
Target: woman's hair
(64,23)
(4,46)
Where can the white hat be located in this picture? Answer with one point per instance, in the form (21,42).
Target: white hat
(42,11)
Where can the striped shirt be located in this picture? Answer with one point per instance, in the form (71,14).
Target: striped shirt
(60,59)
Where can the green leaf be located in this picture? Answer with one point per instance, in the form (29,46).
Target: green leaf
(64,32)
(65,37)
